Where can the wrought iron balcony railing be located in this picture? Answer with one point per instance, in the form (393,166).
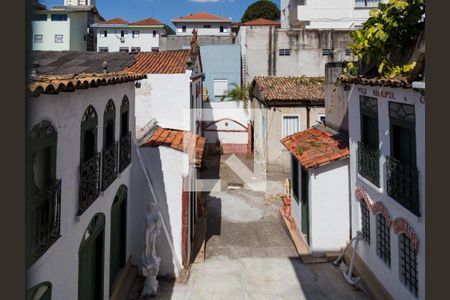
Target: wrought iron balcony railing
(403,184)
(125,151)
(89,182)
(109,165)
(369,163)
(43,219)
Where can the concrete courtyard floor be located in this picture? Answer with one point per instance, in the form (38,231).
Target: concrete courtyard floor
(249,255)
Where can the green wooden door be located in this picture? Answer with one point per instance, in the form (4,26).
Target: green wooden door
(305,203)
(91,255)
(118,234)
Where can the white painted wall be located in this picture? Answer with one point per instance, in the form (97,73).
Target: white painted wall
(146,41)
(329,207)
(49,29)
(214,111)
(165,97)
(59,264)
(214,30)
(389,277)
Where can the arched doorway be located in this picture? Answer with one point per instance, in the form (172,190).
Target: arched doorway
(91,256)
(118,234)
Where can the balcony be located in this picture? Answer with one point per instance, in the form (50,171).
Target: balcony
(43,217)
(369,163)
(125,151)
(109,165)
(403,184)
(89,182)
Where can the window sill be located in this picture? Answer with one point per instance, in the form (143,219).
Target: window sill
(369,183)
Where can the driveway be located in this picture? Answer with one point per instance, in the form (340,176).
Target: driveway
(249,255)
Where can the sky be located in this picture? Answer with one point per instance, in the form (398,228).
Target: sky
(165,10)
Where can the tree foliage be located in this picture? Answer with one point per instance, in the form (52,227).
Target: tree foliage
(239,93)
(261,9)
(386,35)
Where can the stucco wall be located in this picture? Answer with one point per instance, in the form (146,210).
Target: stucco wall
(49,29)
(389,277)
(329,207)
(221,62)
(165,97)
(262,44)
(113,39)
(59,264)
(214,30)
(78,30)
(336,98)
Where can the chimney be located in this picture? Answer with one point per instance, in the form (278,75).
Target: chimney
(195,48)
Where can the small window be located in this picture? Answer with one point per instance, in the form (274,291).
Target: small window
(290,125)
(135,49)
(206,26)
(59,17)
(40,17)
(135,33)
(220,89)
(155,49)
(155,34)
(365,221)
(123,33)
(104,33)
(183,29)
(284,52)
(38,38)
(59,38)
(221,29)
(103,49)
(383,240)
(124,49)
(408,264)
(367,3)
(321,118)
(327,52)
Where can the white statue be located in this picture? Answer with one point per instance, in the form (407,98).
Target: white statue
(150,263)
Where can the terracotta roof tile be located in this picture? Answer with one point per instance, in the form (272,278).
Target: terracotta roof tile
(376,81)
(316,146)
(201,16)
(147,22)
(273,88)
(180,140)
(115,21)
(164,62)
(261,22)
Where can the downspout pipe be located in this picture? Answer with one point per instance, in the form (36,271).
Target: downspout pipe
(155,200)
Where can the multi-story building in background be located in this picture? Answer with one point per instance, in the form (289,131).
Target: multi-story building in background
(205,24)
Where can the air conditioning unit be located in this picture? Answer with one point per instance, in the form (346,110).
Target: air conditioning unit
(122,40)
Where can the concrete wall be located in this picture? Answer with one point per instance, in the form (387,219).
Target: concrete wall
(329,210)
(177,42)
(165,97)
(389,277)
(336,98)
(221,62)
(146,41)
(268,132)
(49,29)
(262,44)
(214,30)
(59,264)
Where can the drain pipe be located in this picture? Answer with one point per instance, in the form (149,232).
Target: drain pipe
(348,275)
(155,200)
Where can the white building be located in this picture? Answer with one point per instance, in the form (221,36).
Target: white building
(79,2)
(120,35)
(64,28)
(168,111)
(320,187)
(205,24)
(387,173)
(325,14)
(79,237)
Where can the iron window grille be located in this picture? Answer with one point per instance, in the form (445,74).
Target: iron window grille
(383,240)
(59,17)
(402,174)
(408,265)
(367,3)
(284,52)
(125,135)
(365,222)
(40,17)
(368,153)
(110,146)
(136,33)
(89,188)
(44,193)
(368,163)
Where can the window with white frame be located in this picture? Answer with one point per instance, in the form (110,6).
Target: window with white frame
(220,89)
(155,49)
(135,49)
(135,34)
(284,52)
(59,38)
(367,3)
(383,240)
(104,33)
(124,49)
(38,38)
(291,125)
(103,49)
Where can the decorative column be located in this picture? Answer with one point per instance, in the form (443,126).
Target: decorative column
(150,262)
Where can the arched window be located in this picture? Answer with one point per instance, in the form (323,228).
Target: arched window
(42,291)
(118,233)
(89,160)
(91,260)
(109,169)
(44,193)
(125,135)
